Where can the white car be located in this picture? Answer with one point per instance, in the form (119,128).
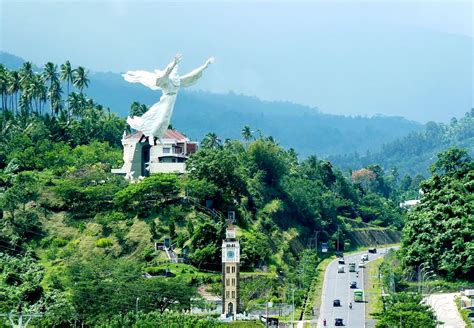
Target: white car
(364,257)
(340,269)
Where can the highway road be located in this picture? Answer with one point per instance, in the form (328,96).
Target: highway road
(336,286)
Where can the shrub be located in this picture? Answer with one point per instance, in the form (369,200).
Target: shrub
(155,271)
(104,242)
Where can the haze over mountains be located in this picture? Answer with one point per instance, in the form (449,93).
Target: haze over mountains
(305,129)
(398,58)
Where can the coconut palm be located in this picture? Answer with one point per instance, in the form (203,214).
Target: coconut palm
(54,95)
(50,73)
(211,140)
(67,74)
(13,88)
(3,86)
(247,133)
(80,78)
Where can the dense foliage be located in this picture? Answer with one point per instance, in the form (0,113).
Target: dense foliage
(405,310)
(440,231)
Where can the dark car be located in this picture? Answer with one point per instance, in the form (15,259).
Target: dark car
(353,284)
(339,254)
(341,261)
(373,250)
(336,303)
(338,322)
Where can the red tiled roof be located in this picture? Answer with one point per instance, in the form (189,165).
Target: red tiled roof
(173,134)
(136,135)
(169,134)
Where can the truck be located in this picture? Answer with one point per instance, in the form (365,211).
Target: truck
(358,295)
(352,267)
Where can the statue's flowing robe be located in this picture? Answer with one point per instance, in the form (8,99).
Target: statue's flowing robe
(156,120)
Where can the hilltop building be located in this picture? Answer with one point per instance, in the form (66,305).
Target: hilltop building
(142,159)
(230,274)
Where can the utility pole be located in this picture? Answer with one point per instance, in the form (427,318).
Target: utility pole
(316,233)
(23,319)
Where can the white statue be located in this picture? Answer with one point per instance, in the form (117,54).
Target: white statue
(157,119)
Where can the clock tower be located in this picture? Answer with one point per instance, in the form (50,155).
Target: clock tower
(230,273)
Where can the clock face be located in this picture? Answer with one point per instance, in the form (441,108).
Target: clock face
(230,254)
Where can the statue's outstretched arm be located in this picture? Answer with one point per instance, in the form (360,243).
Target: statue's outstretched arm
(146,78)
(192,77)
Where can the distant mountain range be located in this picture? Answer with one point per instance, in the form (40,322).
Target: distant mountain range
(305,129)
(414,153)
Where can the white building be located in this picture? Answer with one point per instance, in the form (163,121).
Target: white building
(169,156)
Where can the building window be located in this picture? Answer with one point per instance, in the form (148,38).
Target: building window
(166,150)
(233,282)
(227,294)
(233,269)
(227,282)
(227,269)
(233,294)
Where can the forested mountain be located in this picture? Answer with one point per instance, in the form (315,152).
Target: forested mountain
(305,129)
(414,153)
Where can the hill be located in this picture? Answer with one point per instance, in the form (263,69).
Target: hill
(414,153)
(78,242)
(302,128)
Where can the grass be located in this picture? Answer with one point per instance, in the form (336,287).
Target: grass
(319,281)
(463,313)
(374,289)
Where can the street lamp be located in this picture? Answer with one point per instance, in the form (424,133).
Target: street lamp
(421,268)
(293,313)
(431,276)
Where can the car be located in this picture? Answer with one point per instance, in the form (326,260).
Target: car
(341,261)
(340,269)
(339,254)
(364,257)
(373,250)
(361,265)
(338,322)
(336,302)
(353,284)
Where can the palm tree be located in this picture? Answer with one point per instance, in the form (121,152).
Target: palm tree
(54,95)
(50,73)
(3,86)
(73,103)
(247,133)
(80,78)
(211,141)
(67,74)
(26,75)
(13,88)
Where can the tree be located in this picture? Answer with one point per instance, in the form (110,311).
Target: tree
(247,133)
(80,78)
(211,141)
(405,310)
(440,230)
(67,74)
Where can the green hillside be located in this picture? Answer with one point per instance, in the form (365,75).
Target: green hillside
(76,241)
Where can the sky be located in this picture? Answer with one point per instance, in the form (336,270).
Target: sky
(403,58)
